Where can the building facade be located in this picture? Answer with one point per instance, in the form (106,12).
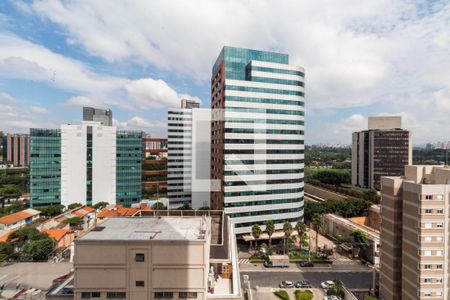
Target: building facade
(86,163)
(156,257)
(415,242)
(17,149)
(257,137)
(383,150)
(104,116)
(188,164)
(154,167)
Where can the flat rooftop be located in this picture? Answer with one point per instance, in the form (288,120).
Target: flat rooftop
(150,228)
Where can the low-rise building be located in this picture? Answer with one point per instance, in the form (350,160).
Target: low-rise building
(19,219)
(86,212)
(169,257)
(63,237)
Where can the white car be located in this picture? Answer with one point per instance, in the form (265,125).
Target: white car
(332,297)
(327,284)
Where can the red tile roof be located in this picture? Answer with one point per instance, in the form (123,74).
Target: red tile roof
(14,218)
(56,233)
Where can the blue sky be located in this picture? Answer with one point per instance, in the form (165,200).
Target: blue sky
(362,58)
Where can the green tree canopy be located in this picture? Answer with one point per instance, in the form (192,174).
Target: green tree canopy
(100,205)
(349,208)
(159,206)
(74,205)
(6,250)
(51,210)
(73,220)
(360,238)
(270,229)
(37,250)
(185,206)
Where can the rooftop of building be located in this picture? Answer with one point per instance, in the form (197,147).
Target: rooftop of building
(18,216)
(150,228)
(427,174)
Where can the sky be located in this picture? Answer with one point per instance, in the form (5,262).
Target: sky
(362,58)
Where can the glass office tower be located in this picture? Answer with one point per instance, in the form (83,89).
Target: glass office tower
(45,167)
(257,137)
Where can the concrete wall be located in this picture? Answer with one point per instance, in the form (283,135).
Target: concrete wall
(385,123)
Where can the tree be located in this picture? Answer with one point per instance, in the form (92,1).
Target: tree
(185,206)
(22,235)
(10,191)
(159,206)
(204,208)
(6,250)
(100,205)
(256,233)
(51,210)
(287,229)
(317,222)
(270,229)
(73,221)
(337,289)
(74,205)
(301,230)
(360,238)
(37,250)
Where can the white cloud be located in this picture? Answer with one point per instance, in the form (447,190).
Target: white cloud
(155,128)
(148,93)
(38,109)
(80,101)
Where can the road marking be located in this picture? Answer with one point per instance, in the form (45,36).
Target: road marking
(244,261)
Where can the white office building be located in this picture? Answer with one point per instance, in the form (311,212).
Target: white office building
(189,151)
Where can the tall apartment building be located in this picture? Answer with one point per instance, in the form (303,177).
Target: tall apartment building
(155,258)
(86,163)
(257,147)
(17,149)
(189,146)
(104,116)
(382,150)
(415,243)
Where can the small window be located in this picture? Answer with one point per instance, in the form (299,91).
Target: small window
(439,238)
(85,295)
(427,252)
(439,280)
(427,267)
(439,267)
(111,295)
(427,225)
(95,294)
(121,295)
(429,197)
(439,252)
(428,211)
(440,225)
(440,211)
(182,295)
(439,294)
(192,295)
(140,257)
(165,295)
(140,283)
(427,294)
(427,239)
(440,197)
(427,280)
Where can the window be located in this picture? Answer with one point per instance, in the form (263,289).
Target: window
(111,295)
(427,252)
(439,225)
(427,225)
(440,197)
(439,294)
(428,211)
(165,295)
(187,295)
(427,280)
(85,295)
(427,239)
(95,294)
(139,257)
(427,267)
(427,294)
(440,211)
(140,283)
(439,280)
(439,267)
(439,252)
(429,197)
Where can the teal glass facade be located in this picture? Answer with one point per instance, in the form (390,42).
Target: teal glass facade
(45,167)
(128,167)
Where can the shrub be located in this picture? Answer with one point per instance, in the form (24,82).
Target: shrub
(304,295)
(283,295)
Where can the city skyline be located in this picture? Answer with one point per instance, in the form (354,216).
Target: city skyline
(139,76)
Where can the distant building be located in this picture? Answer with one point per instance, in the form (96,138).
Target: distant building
(86,163)
(383,150)
(19,219)
(158,257)
(16,149)
(415,247)
(186,103)
(189,153)
(257,137)
(154,166)
(104,116)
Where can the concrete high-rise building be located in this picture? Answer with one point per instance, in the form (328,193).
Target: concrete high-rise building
(157,257)
(104,116)
(189,146)
(415,244)
(382,150)
(257,146)
(17,149)
(86,163)
(188,103)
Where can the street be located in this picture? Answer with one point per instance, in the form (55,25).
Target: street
(351,279)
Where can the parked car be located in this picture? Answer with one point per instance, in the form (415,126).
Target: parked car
(306,264)
(332,297)
(286,284)
(327,284)
(304,284)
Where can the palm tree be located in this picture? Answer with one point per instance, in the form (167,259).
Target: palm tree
(270,229)
(287,228)
(301,230)
(317,222)
(256,232)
